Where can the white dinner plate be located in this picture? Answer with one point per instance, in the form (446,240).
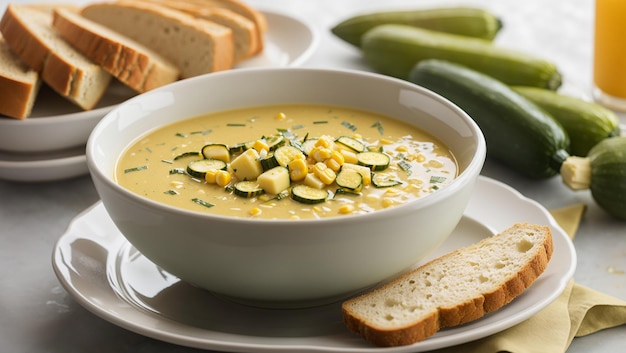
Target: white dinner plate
(106,275)
(57,125)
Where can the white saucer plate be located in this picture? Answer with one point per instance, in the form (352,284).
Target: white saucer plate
(56,125)
(106,275)
(43,167)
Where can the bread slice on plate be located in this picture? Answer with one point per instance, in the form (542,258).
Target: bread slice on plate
(194,45)
(19,84)
(453,289)
(248,39)
(29,34)
(133,64)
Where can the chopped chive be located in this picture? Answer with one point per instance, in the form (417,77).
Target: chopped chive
(178,171)
(235,124)
(180,134)
(170,192)
(149,149)
(296,127)
(320,122)
(202,202)
(167,161)
(135,169)
(349,125)
(404,165)
(379,126)
(437,179)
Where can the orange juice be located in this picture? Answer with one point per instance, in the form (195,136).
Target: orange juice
(610,48)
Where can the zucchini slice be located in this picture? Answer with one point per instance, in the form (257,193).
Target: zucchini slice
(376,161)
(384,181)
(216,151)
(352,143)
(268,162)
(286,154)
(199,168)
(248,189)
(308,195)
(308,145)
(275,141)
(349,180)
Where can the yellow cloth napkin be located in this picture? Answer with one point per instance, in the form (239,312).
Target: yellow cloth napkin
(579,311)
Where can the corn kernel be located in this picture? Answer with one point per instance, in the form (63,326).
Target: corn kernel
(260,145)
(325,174)
(324,141)
(321,154)
(385,141)
(392,191)
(211,176)
(222,178)
(281,116)
(433,163)
(345,209)
(420,158)
(255,211)
(387,202)
(298,169)
(402,148)
(332,164)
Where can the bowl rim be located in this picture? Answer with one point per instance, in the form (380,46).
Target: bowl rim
(470,172)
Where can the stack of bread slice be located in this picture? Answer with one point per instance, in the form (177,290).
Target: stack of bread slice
(144,44)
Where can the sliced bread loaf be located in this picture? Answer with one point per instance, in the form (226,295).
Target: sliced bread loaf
(453,289)
(130,62)
(248,40)
(29,34)
(19,84)
(194,45)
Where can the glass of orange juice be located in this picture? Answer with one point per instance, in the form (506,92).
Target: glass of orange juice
(609,67)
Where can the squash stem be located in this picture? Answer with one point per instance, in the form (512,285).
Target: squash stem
(576,173)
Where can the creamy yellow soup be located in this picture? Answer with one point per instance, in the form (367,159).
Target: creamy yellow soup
(329,140)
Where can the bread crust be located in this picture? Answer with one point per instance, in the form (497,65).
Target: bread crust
(83,86)
(211,50)
(19,84)
(131,63)
(457,314)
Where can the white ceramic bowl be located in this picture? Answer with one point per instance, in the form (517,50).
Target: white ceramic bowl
(285,263)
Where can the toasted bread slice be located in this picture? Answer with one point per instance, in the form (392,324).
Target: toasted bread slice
(29,34)
(453,289)
(132,63)
(194,45)
(19,84)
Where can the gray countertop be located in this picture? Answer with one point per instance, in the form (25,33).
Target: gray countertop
(37,315)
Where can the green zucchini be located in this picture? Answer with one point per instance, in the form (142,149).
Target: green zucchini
(376,161)
(199,168)
(351,143)
(468,21)
(308,195)
(384,181)
(247,189)
(603,172)
(587,123)
(394,49)
(518,133)
(349,180)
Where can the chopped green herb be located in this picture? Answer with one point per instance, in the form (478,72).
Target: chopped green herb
(320,122)
(178,171)
(296,127)
(149,149)
(379,126)
(349,125)
(167,161)
(202,202)
(235,124)
(404,165)
(171,192)
(202,132)
(135,169)
(180,134)
(437,179)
